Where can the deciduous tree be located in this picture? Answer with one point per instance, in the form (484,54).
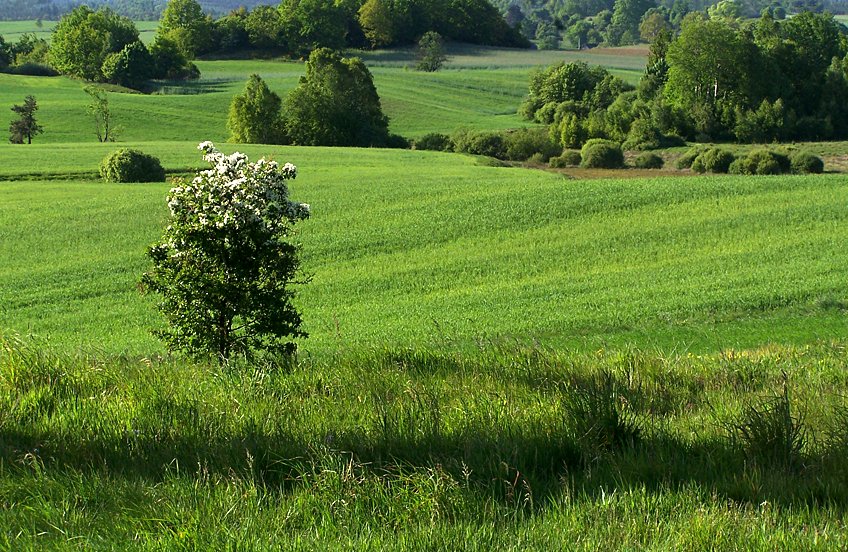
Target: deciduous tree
(228,261)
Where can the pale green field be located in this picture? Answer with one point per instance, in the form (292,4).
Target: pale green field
(12,30)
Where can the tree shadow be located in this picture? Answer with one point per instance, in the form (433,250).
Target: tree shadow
(190,87)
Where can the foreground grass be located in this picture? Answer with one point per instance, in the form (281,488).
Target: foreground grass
(419,449)
(409,247)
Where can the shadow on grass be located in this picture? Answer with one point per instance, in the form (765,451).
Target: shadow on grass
(507,465)
(190,88)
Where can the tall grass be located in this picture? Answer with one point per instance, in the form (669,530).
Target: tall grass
(408,449)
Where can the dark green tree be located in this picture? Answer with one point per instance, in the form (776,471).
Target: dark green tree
(626,16)
(312,24)
(131,67)
(335,104)
(254,116)
(25,126)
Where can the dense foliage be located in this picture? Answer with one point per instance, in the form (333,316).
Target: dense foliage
(335,104)
(130,165)
(254,116)
(226,264)
(720,79)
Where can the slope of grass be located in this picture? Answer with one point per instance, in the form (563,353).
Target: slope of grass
(414,247)
(12,30)
(481,89)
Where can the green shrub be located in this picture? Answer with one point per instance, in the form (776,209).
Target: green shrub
(761,162)
(649,160)
(490,144)
(714,160)
(685,161)
(606,155)
(434,142)
(803,162)
(524,143)
(594,142)
(33,69)
(568,158)
(129,165)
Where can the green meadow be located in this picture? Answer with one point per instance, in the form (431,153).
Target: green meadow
(499,357)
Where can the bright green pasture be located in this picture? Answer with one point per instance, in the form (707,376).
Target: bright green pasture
(409,247)
(415,102)
(12,30)
(481,89)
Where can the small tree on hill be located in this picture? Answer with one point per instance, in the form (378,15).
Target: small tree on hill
(254,116)
(25,126)
(99,110)
(227,262)
(431,52)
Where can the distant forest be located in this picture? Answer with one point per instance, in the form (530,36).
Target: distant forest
(150,10)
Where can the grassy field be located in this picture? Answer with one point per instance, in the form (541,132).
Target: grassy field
(480,88)
(432,246)
(12,30)
(467,323)
(499,358)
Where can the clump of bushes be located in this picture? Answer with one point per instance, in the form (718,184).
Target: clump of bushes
(525,143)
(803,162)
(490,144)
(568,158)
(761,162)
(434,142)
(601,154)
(685,161)
(649,160)
(714,160)
(129,165)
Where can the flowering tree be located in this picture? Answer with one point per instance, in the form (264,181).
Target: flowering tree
(226,263)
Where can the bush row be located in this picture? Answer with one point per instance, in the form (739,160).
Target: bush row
(758,161)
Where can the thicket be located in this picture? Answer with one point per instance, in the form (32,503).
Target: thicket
(721,79)
(130,165)
(101,46)
(334,104)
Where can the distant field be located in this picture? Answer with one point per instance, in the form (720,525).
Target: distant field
(410,247)
(416,103)
(12,30)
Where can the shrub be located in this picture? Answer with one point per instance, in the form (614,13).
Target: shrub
(685,161)
(396,141)
(602,156)
(490,144)
(526,142)
(761,162)
(33,69)
(594,142)
(715,160)
(649,161)
(129,165)
(803,162)
(569,158)
(434,142)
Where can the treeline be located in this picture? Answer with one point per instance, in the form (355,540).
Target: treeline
(720,79)
(588,23)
